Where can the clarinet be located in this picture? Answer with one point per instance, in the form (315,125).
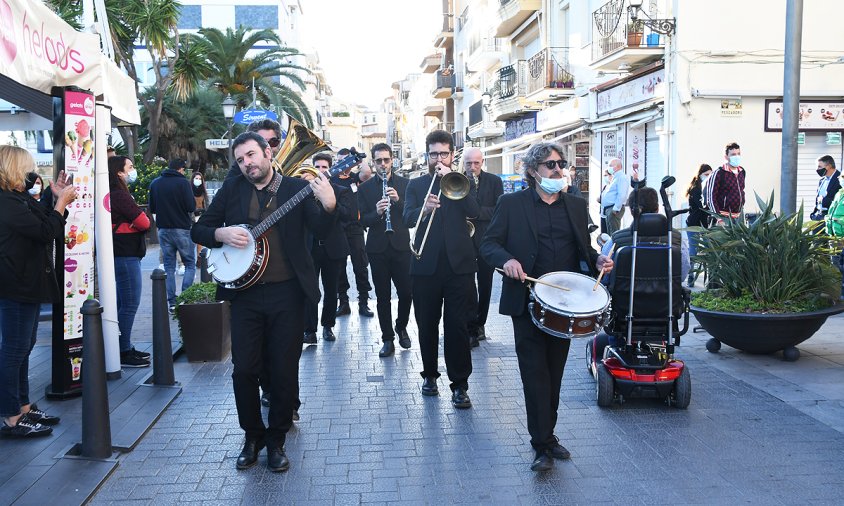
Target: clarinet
(388,228)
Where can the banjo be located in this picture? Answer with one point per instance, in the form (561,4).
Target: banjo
(240,268)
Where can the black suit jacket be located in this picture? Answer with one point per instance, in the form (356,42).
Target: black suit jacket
(335,242)
(512,234)
(231,207)
(490,187)
(831,189)
(369,193)
(449,229)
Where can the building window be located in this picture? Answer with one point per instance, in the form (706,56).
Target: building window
(256,17)
(190,17)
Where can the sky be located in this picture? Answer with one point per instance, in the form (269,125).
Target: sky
(365,46)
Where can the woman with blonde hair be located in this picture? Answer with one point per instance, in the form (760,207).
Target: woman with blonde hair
(27,231)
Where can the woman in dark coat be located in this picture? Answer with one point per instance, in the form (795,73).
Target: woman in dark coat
(27,231)
(697,211)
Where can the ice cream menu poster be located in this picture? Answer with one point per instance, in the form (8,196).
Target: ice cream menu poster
(635,151)
(79,229)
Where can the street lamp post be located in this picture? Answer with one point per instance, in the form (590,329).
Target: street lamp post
(229,107)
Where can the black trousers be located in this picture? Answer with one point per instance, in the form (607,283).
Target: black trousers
(455,293)
(330,270)
(542,359)
(359,266)
(267,324)
(484,293)
(391,266)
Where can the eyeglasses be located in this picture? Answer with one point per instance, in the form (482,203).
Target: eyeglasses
(440,155)
(550,164)
(380,161)
(274,142)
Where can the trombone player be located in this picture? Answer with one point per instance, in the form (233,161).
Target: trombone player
(443,266)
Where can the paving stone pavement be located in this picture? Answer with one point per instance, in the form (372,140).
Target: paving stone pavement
(367,435)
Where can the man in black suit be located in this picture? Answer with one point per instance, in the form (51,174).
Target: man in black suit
(828,186)
(488,188)
(443,274)
(389,254)
(535,231)
(329,256)
(357,250)
(267,318)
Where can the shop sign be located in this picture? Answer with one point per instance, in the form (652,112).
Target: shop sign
(635,151)
(247,116)
(216,143)
(833,138)
(813,115)
(801,138)
(609,146)
(731,108)
(635,91)
(564,113)
(519,127)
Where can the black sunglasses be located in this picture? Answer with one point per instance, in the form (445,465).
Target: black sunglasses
(274,142)
(550,164)
(379,161)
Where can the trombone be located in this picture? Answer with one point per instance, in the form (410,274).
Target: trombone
(454,186)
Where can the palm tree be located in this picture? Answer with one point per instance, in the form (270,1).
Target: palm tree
(269,73)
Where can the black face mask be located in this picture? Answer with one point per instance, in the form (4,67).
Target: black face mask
(820,171)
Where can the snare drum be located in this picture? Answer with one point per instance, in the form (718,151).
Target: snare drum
(579,312)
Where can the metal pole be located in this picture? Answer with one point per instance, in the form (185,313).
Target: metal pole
(162,348)
(231,126)
(96,425)
(791,105)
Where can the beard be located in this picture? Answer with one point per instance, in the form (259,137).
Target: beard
(255,173)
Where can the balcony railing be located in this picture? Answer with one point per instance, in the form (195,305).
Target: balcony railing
(614,30)
(512,81)
(444,84)
(459,139)
(549,68)
(448,23)
(484,42)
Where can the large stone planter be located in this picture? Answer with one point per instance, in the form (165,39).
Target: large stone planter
(762,333)
(206,331)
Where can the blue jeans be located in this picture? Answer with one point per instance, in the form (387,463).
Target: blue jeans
(18,325)
(692,249)
(127,274)
(171,241)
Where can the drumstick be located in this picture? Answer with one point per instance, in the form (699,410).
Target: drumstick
(601,274)
(534,280)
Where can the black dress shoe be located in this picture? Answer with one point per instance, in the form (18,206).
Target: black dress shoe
(460,399)
(404,338)
(343,309)
(249,456)
(265,400)
(481,333)
(328,334)
(310,338)
(558,452)
(542,462)
(388,350)
(276,459)
(429,387)
(363,309)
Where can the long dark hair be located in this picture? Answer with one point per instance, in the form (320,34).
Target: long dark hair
(696,181)
(117,164)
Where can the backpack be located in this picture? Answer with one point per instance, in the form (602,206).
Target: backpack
(835,216)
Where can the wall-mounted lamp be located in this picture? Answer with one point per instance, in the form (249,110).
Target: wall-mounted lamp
(486,99)
(663,26)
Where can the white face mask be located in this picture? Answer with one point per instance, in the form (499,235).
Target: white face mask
(35,190)
(552,186)
(197,182)
(131,176)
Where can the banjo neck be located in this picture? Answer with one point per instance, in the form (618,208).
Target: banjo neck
(262,228)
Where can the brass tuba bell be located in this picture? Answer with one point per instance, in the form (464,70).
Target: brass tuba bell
(299,145)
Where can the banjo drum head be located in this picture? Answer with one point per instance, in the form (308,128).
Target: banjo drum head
(579,300)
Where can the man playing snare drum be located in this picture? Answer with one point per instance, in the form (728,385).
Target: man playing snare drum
(535,231)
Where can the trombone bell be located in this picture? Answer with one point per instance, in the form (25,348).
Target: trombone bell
(454,185)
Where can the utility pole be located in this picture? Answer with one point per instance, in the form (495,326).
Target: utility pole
(791,105)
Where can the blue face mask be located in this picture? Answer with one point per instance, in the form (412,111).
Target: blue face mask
(552,186)
(735,160)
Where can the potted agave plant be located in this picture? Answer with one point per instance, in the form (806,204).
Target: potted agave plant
(776,284)
(203,323)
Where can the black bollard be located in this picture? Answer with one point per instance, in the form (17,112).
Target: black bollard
(204,276)
(162,348)
(96,425)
